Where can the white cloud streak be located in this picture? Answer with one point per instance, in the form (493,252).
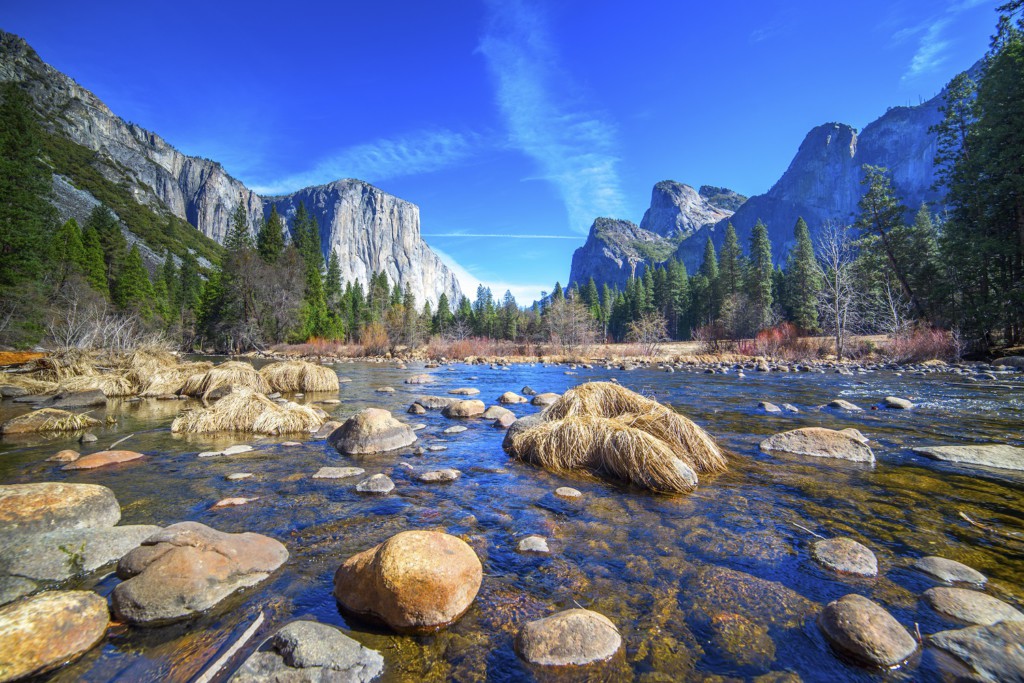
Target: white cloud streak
(575,149)
(525,294)
(934,42)
(383,159)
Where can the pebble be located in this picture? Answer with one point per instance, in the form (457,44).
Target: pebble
(568,492)
(231,502)
(437,476)
(457,429)
(533,544)
(236,476)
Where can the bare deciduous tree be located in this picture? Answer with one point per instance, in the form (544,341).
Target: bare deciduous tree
(570,325)
(649,331)
(840,305)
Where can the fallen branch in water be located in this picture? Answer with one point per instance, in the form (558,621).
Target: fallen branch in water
(215,668)
(812,533)
(119,441)
(989,529)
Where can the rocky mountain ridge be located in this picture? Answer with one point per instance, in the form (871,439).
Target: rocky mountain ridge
(201,192)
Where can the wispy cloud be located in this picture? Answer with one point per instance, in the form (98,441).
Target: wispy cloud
(933,37)
(575,238)
(574,148)
(383,159)
(525,294)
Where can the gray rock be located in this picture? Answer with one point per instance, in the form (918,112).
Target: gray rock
(789,407)
(495,412)
(88,437)
(338,472)
(545,399)
(950,570)
(416,409)
(820,443)
(973,607)
(307,651)
(437,476)
(993,652)
(572,637)
(77,399)
(863,630)
(568,492)
(11,391)
(769,407)
(455,429)
(533,544)
(842,404)
(371,430)
(846,556)
(505,421)
(378,483)
(327,429)
(996,455)
(527,391)
(436,402)
(898,403)
(464,391)
(1016,362)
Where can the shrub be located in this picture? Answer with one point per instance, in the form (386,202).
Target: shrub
(374,338)
(920,344)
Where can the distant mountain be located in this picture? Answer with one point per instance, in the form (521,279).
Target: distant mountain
(158,192)
(617,249)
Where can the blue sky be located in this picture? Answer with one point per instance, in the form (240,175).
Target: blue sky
(513,123)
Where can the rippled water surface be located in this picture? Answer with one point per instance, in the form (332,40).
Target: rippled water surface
(716,583)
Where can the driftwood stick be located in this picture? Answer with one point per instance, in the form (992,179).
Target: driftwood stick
(215,668)
(812,533)
(989,529)
(119,441)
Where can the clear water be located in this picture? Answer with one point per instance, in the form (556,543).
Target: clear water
(718,582)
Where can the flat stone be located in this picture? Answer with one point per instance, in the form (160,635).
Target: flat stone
(846,556)
(52,506)
(820,443)
(973,607)
(378,483)
(231,502)
(307,651)
(11,391)
(291,444)
(864,630)
(42,420)
(464,391)
(455,429)
(573,637)
(327,429)
(385,390)
(436,402)
(371,431)
(568,492)
(437,448)
(843,404)
(468,408)
(995,455)
(45,631)
(993,652)
(420,379)
(236,449)
(533,544)
(338,472)
(415,582)
(769,407)
(102,459)
(790,408)
(238,476)
(898,403)
(78,399)
(950,570)
(188,568)
(545,399)
(437,476)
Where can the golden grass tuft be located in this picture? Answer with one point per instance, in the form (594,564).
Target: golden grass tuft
(67,364)
(168,380)
(112,384)
(233,373)
(603,445)
(68,423)
(30,384)
(245,410)
(299,376)
(599,399)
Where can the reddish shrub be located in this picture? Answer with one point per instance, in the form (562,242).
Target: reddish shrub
(920,344)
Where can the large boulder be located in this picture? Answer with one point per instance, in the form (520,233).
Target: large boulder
(436,402)
(572,637)
(993,652)
(468,408)
(371,431)
(43,632)
(415,582)
(863,630)
(511,397)
(307,651)
(47,420)
(973,607)
(544,399)
(999,456)
(187,568)
(102,459)
(52,506)
(1010,362)
(78,399)
(820,443)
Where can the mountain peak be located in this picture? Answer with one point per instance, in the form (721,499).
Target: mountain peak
(678,210)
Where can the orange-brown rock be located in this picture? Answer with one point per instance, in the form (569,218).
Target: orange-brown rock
(52,506)
(102,459)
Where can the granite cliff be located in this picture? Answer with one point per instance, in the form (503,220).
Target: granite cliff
(201,192)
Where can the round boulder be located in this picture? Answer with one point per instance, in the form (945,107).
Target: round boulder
(47,630)
(468,408)
(511,397)
(897,403)
(846,556)
(820,443)
(545,399)
(371,431)
(862,629)
(377,483)
(572,637)
(415,582)
(970,606)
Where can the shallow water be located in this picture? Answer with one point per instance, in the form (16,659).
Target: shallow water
(718,582)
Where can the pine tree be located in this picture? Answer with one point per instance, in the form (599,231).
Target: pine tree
(332,281)
(26,217)
(112,239)
(707,290)
(557,294)
(802,280)
(67,250)
(270,238)
(239,237)
(133,290)
(190,284)
(443,317)
(731,267)
(759,275)
(93,267)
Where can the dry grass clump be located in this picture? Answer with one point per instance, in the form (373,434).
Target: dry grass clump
(168,380)
(299,375)
(233,373)
(605,428)
(30,384)
(69,423)
(67,364)
(245,410)
(112,384)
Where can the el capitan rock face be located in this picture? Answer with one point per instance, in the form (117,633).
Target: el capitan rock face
(370,229)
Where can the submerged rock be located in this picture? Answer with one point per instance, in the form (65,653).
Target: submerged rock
(865,631)
(187,568)
(746,642)
(377,483)
(820,443)
(973,607)
(995,455)
(846,556)
(415,582)
(43,632)
(950,570)
(102,459)
(533,544)
(573,637)
(309,651)
(338,472)
(371,431)
(993,652)
(843,404)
